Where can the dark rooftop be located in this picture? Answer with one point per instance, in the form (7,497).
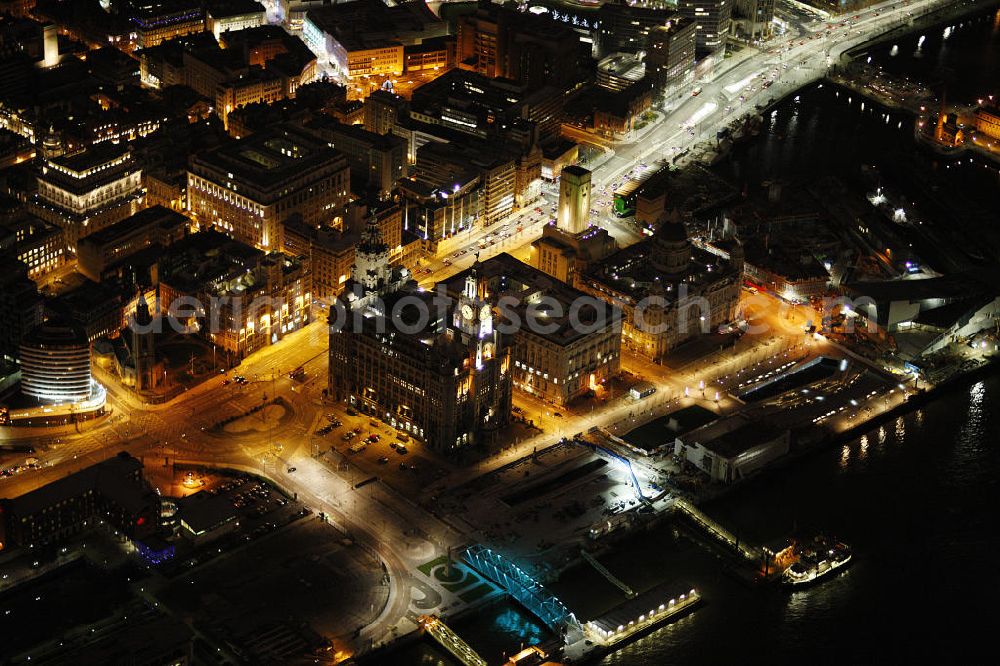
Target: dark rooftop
(111,477)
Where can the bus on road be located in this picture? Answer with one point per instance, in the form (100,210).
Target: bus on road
(624,201)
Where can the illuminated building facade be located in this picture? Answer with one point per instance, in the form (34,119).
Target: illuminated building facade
(712,18)
(55,364)
(565,255)
(625,28)
(39,245)
(87,191)
(669,291)
(251,299)
(988,121)
(435,211)
(248,186)
(158,22)
(229,15)
(671,52)
(574,199)
(154,225)
(566,359)
(365,37)
(443,378)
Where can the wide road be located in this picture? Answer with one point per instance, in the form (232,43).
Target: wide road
(802,55)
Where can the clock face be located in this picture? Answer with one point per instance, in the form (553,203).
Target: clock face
(485,312)
(467,311)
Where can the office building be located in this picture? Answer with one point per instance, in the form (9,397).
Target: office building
(89,190)
(366,37)
(574,199)
(670,54)
(623,28)
(39,245)
(158,21)
(437,210)
(565,255)
(252,299)
(499,42)
(330,251)
(618,71)
(435,53)
(376,161)
(55,363)
(246,187)
(99,309)
(225,15)
(56,383)
(382,109)
(670,292)
(156,225)
(444,378)
(576,348)
(112,493)
(712,18)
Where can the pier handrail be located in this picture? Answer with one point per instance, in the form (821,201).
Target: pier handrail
(601,569)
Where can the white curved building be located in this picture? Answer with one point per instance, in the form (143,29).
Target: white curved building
(55,364)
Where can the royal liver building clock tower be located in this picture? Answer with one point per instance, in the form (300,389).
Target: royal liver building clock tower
(474,318)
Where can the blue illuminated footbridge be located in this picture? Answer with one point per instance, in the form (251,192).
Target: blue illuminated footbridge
(527,591)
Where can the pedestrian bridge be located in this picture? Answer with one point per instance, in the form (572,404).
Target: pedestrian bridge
(527,591)
(450,641)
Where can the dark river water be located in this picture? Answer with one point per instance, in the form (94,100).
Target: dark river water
(918,499)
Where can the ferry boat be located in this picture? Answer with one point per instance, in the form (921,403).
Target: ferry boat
(816,561)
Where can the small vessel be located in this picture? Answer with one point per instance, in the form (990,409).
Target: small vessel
(815,560)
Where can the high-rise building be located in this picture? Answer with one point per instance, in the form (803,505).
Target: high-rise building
(377,161)
(246,187)
(712,18)
(670,55)
(433,367)
(55,363)
(623,28)
(574,199)
(155,225)
(499,42)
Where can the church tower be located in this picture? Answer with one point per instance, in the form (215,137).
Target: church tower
(143,347)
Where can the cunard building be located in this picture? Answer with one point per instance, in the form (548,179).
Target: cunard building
(432,366)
